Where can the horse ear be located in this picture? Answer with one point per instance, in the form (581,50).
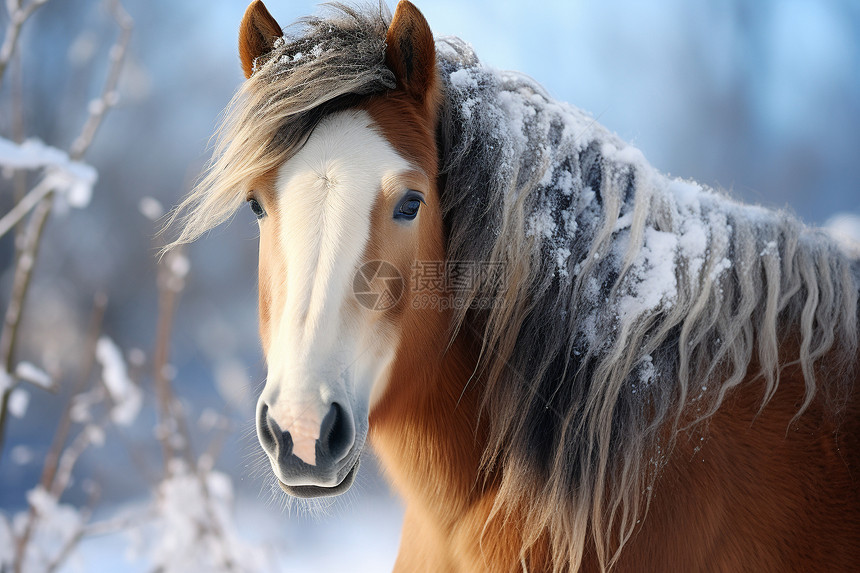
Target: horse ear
(257,34)
(411,52)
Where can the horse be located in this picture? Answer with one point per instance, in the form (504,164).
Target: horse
(564,359)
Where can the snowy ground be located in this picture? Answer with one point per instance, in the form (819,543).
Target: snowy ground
(361,535)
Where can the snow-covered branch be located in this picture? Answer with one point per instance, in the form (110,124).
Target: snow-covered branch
(73,179)
(55,177)
(109,96)
(19,12)
(188,522)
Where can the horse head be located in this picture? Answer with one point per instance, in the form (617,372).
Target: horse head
(341,222)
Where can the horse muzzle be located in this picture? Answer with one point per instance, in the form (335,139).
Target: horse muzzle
(312,461)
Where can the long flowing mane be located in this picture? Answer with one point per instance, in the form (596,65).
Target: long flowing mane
(630,304)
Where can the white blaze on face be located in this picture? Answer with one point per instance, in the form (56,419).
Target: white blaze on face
(321,350)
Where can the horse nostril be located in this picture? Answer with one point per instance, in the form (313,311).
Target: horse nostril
(336,435)
(265,432)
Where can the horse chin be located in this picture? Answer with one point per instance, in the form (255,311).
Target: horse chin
(312,491)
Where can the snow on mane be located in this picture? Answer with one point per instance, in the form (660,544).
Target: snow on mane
(630,298)
(661,233)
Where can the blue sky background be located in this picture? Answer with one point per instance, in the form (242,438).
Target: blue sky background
(761,97)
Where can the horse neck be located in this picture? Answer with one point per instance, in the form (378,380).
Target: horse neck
(427,430)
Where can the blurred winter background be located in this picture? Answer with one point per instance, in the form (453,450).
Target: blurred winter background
(120,363)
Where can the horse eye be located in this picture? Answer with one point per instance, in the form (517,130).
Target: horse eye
(256,208)
(408,208)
